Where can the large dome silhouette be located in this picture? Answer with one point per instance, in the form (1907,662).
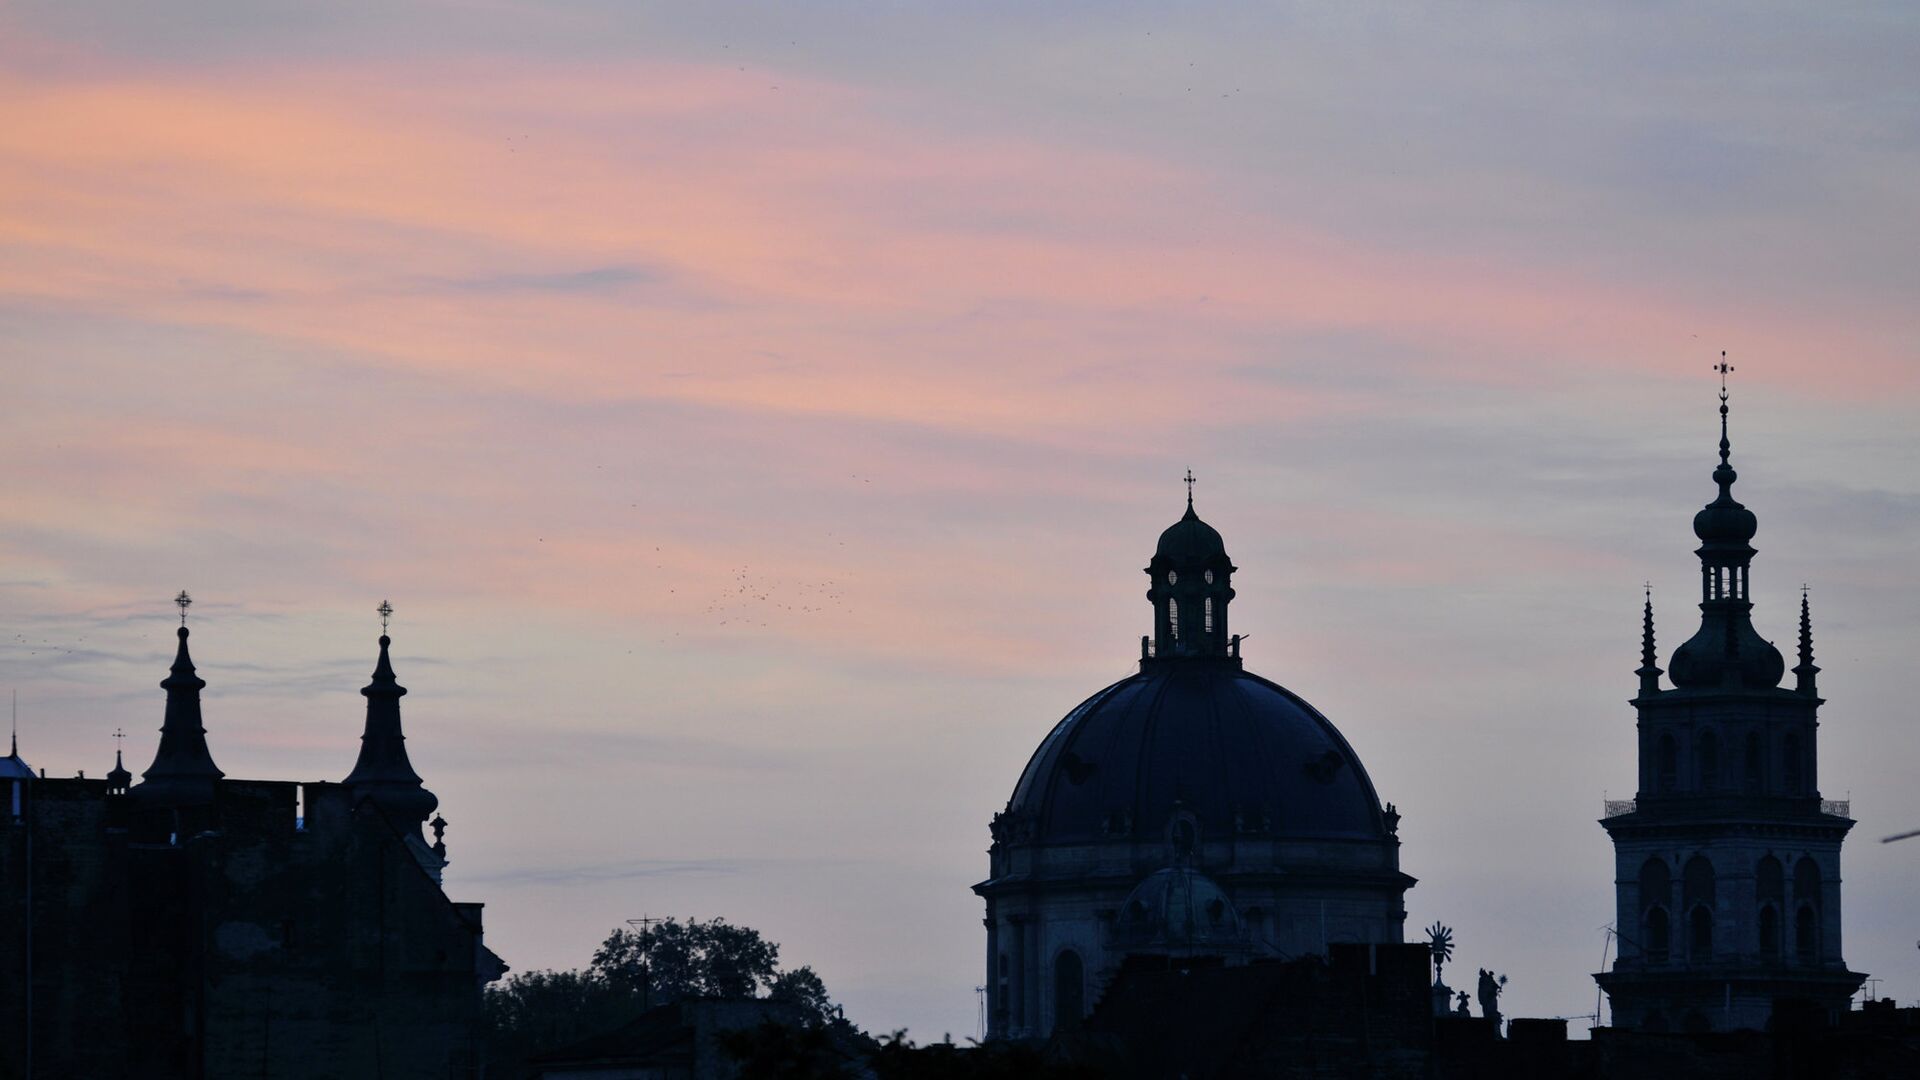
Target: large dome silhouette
(1239,753)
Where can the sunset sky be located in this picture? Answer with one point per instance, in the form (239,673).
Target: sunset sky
(759,416)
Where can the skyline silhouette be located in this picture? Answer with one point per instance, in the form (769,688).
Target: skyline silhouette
(759,423)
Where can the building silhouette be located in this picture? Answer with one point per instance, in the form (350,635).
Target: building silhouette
(1727,862)
(196,925)
(1193,813)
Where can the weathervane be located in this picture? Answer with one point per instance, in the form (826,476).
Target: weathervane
(386,612)
(183,600)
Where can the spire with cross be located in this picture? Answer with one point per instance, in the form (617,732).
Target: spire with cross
(1649,670)
(183,772)
(1189,489)
(382,774)
(1806,671)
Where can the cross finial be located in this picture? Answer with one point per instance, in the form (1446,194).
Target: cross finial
(1725,369)
(183,600)
(1189,489)
(119,736)
(386,612)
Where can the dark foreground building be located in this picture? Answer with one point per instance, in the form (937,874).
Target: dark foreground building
(197,926)
(1727,863)
(1361,1013)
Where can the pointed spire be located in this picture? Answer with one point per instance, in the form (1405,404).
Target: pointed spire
(1649,670)
(11,767)
(1805,671)
(183,772)
(382,772)
(1189,491)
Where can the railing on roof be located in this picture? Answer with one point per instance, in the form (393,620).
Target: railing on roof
(1840,808)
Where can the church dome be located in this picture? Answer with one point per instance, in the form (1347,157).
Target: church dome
(1178,909)
(1725,520)
(1191,540)
(1200,737)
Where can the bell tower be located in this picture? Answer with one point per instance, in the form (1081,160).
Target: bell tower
(1727,862)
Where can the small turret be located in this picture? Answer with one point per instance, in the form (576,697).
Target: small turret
(183,772)
(1805,671)
(382,774)
(118,778)
(1649,670)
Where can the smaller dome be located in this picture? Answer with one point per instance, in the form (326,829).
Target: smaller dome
(118,778)
(1179,910)
(12,768)
(1190,540)
(1724,520)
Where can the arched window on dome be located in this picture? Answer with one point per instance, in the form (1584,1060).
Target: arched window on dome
(1769,933)
(1706,758)
(1806,936)
(1770,892)
(1656,893)
(1700,934)
(1806,920)
(1173,618)
(1659,935)
(1666,766)
(1697,888)
(1069,990)
(1209,614)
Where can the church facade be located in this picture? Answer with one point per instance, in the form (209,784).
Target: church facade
(195,925)
(1192,813)
(1727,862)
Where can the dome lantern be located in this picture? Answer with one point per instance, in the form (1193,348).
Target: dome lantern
(1191,588)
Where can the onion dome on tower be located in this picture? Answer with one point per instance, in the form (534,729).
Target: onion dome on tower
(382,774)
(183,772)
(1726,651)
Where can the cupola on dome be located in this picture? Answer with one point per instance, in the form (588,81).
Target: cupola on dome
(1191,540)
